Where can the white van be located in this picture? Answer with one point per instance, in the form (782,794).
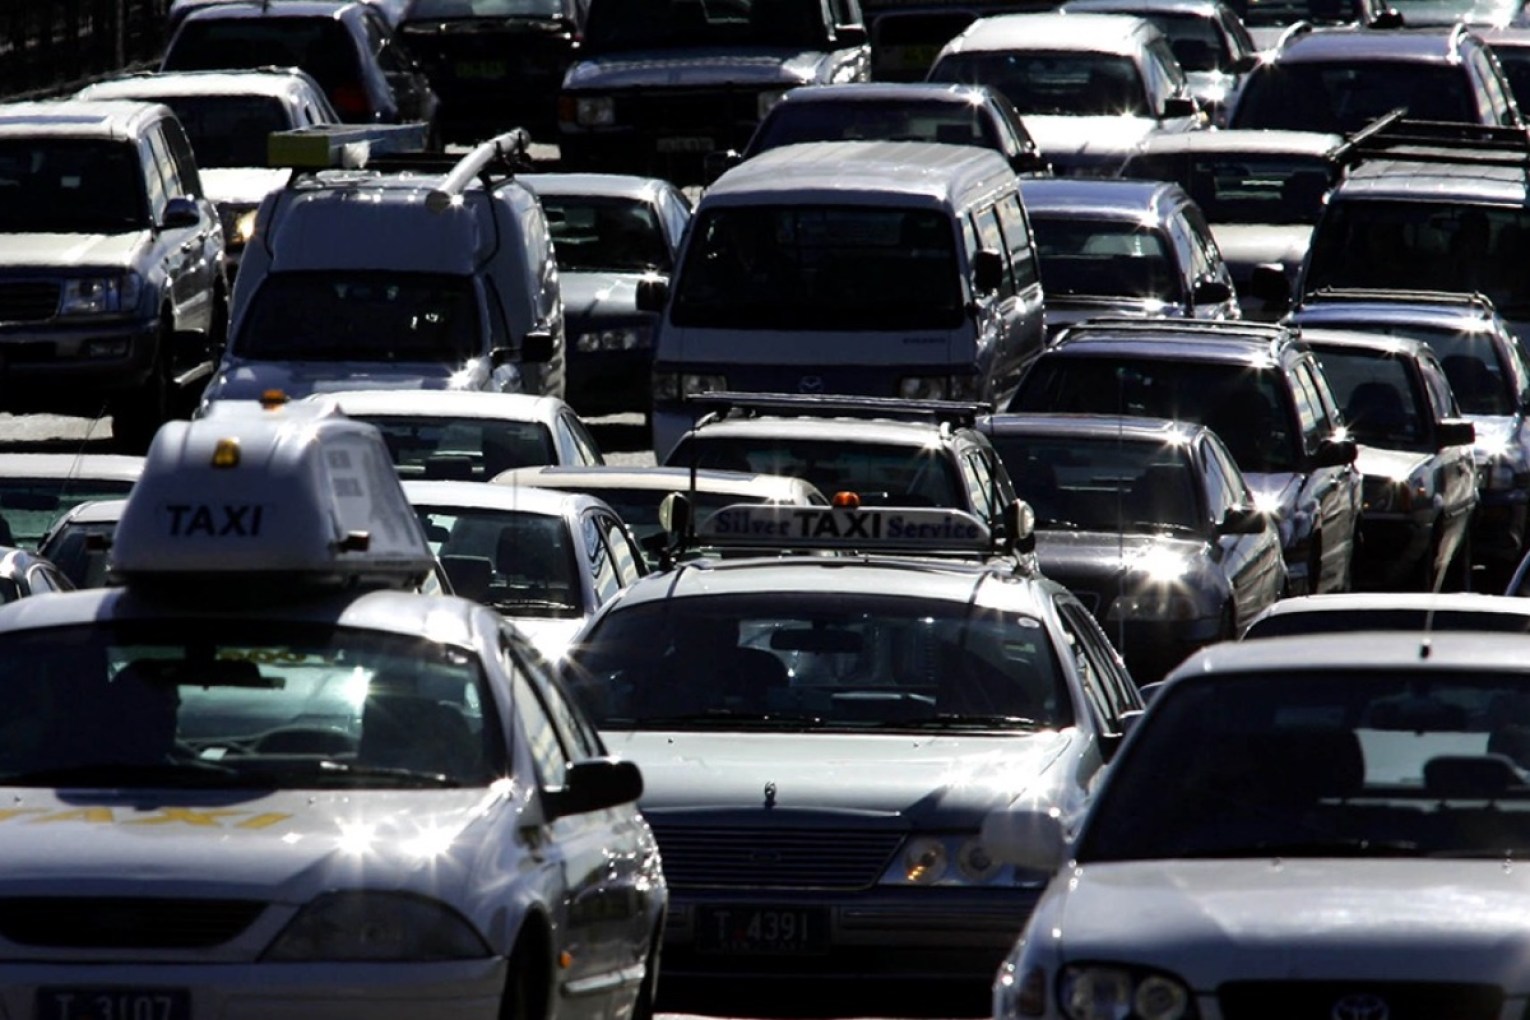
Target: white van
(893,269)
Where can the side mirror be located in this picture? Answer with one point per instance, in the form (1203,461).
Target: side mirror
(652,294)
(715,164)
(987,271)
(1244,64)
(1335,453)
(1150,691)
(1389,18)
(1180,106)
(1454,432)
(675,516)
(1020,526)
(1268,284)
(594,784)
(851,35)
(538,346)
(180,213)
(1029,161)
(1026,837)
(1211,292)
(1241,520)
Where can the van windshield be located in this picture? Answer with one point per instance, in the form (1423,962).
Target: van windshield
(675,24)
(337,316)
(856,268)
(70,186)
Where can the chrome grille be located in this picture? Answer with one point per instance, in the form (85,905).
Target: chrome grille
(1358,1000)
(775,858)
(124,922)
(29,301)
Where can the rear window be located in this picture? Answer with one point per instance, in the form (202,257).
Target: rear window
(1345,97)
(1237,187)
(229,131)
(1105,258)
(1071,83)
(320,46)
(893,121)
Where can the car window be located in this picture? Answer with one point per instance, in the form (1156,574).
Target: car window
(604,234)
(992,237)
(1017,239)
(575,734)
(1442,399)
(1236,484)
(1309,417)
(154,160)
(181,156)
(529,558)
(979,481)
(1067,83)
(1345,96)
(548,754)
(1103,257)
(1091,666)
(602,566)
(1380,395)
(626,558)
(1220,494)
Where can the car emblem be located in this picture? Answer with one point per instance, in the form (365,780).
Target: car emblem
(1360,1007)
(810,384)
(770,800)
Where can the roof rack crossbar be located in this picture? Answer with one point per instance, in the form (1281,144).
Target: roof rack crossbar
(954,411)
(1399,296)
(1428,141)
(1244,327)
(508,149)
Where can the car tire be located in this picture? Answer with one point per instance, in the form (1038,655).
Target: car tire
(137,416)
(526,981)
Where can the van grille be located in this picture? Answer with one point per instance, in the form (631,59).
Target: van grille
(31,301)
(775,858)
(1359,1000)
(124,922)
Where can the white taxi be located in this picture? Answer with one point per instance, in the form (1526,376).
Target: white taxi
(261,778)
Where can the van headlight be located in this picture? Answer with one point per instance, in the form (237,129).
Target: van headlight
(595,111)
(938,387)
(631,338)
(1104,992)
(670,386)
(376,926)
(101,295)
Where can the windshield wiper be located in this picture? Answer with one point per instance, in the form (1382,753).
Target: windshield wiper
(132,774)
(330,771)
(720,718)
(1173,529)
(967,721)
(1337,846)
(549,604)
(1058,524)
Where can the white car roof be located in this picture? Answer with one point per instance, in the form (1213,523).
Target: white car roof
(110,466)
(658,479)
(1052,30)
(479,496)
(444,404)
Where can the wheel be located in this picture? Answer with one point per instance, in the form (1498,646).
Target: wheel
(526,984)
(137,416)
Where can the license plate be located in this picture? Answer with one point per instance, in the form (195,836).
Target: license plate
(763,930)
(113,1004)
(685,145)
(480,69)
(910,58)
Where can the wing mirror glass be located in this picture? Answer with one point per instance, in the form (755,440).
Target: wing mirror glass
(987,271)
(652,294)
(180,212)
(1335,453)
(1455,432)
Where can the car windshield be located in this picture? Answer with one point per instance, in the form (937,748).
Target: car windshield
(29,506)
(1377,393)
(820,660)
(1344,98)
(526,559)
(1334,620)
(1115,484)
(593,234)
(882,474)
(1068,83)
(321,45)
(1425,245)
(1277,13)
(1194,39)
(80,551)
(451,9)
(228,131)
(1236,187)
(347,316)
(854,268)
(1246,407)
(462,449)
(1449,12)
(1471,360)
(1339,762)
(225,702)
(1515,61)
(900,120)
(676,24)
(1104,258)
(70,186)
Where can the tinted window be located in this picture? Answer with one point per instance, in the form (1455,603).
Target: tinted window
(531,555)
(951,123)
(1346,97)
(68,186)
(667,24)
(610,234)
(462,449)
(1106,258)
(431,9)
(320,46)
(1380,401)
(1244,188)
(1070,83)
(883,475)
(229,131)
(1342,621)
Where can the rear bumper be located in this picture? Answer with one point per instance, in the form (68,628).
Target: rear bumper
(75,368)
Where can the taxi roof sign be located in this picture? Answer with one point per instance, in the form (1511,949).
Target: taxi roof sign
(922,530)
(311,496)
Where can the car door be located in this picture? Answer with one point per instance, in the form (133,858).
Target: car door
(1022,329)
(1252,564)
(172,249)
(205,268)
(1330,494)
(1457,464)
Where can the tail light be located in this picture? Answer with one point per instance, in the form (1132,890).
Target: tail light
(350,102)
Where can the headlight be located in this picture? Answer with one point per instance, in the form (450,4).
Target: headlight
(925,861)
(244,229)
(101,295)
(1096,992)
(679,385)
(630,339)
(954,860)
(595,111)
(938,387)
(767,100)
(1156,604)
(1015,995)
(376,926)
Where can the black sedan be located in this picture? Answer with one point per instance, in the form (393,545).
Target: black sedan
(1150,523)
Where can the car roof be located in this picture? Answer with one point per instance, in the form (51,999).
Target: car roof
(1397,178)
(1053,30)
(1468,651)
(879,91)
(657,479)
(1458,316)
(927,173)
(1094,426)
(95,511)
(243,9)
(78,118)
(1353,44)
(1171,340)
(1366,601)
(1099,196)
(1202,8)
(478,496)
(1240,140)
(603,185)
(1385,343)
(274,82)
(444,404)
(108,466)
(843,430)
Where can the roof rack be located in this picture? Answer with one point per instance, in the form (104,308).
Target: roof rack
(1236,329)
(957,413)
(1396,137)
(1453,298)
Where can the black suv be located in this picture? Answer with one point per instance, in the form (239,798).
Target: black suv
(664,82)
(1259,387)
(112,294)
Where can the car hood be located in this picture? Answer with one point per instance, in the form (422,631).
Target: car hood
(1379,462)
(684,68)
(247,380)
(1081,557)
(72,251)
(1208,921)
(283,846)
(1083,137)
(1246,245)
(955,779)
(242,185)
(603,296)
(551,637)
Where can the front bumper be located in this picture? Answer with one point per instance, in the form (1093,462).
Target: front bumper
(456,990)
(906,935)
(51,369)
